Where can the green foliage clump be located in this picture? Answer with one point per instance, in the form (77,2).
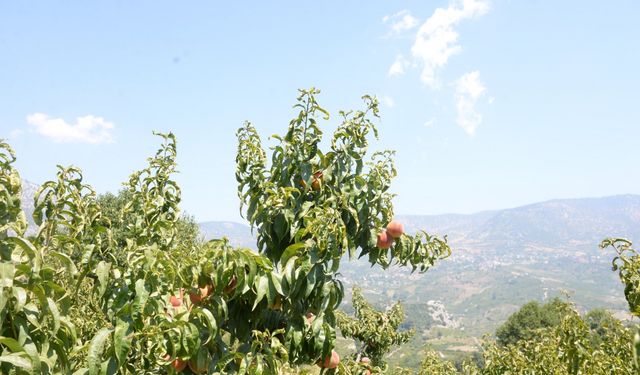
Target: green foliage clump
(627,263)
(564,349)
(375,332)
(529,318)
(432,363)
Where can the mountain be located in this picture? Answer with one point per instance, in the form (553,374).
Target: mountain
(553,223)
(239,235)
(29,190)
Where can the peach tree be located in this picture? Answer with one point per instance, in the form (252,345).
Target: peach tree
(375,332)
(311,207)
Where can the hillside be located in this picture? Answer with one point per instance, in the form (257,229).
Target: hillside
(29,190)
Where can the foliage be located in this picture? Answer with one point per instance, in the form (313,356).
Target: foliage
(532,316)
(564,349)
(112,208)
(627,263)
(120,284)
(375,332)
(433,364)
(599,322)
(310,207)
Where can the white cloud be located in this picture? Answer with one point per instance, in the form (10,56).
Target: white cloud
(387,101)
(437,39)
(15,134)
(429,123)
(469,89)
(87,129)
(401,21)
(399,66)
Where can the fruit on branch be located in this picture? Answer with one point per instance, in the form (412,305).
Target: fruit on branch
(231,286)
(316,183)
(332,361)
(317,179)
(179,364)
(175,300)
(384,240)
(365,361)
(395,229)
(277,304)
(202,293)
(310,317)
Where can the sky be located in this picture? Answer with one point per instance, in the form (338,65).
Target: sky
(489,104)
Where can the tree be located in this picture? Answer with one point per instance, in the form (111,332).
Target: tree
(375,332)
(600,322)
(627,263)
(530,317)
(112,207)
(309,207)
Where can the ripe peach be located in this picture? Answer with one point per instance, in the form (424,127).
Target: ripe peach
(176,301)
(231,286)
(310,317)
(179,364)
(317,179)
(384,240)
(203,292)
(331,361)
(395,229)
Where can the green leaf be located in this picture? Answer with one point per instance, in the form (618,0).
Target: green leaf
(18,361)
(7,273)
(102,272)
(142,294)
(263,287)
(122,341)
(55,313)
(25,245)
(290,251)
(12,344)
(277,282)
(96,348)
(66,260)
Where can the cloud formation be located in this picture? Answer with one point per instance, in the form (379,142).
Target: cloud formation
(469,89)
(86,129)
(387,101)
(437,39)
(401,22)
(398,67)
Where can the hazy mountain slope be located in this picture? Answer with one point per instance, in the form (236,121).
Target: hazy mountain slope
(238,234)
(551,223)
(559,222)
(28,192)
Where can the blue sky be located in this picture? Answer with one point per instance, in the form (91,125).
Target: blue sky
(489,104)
